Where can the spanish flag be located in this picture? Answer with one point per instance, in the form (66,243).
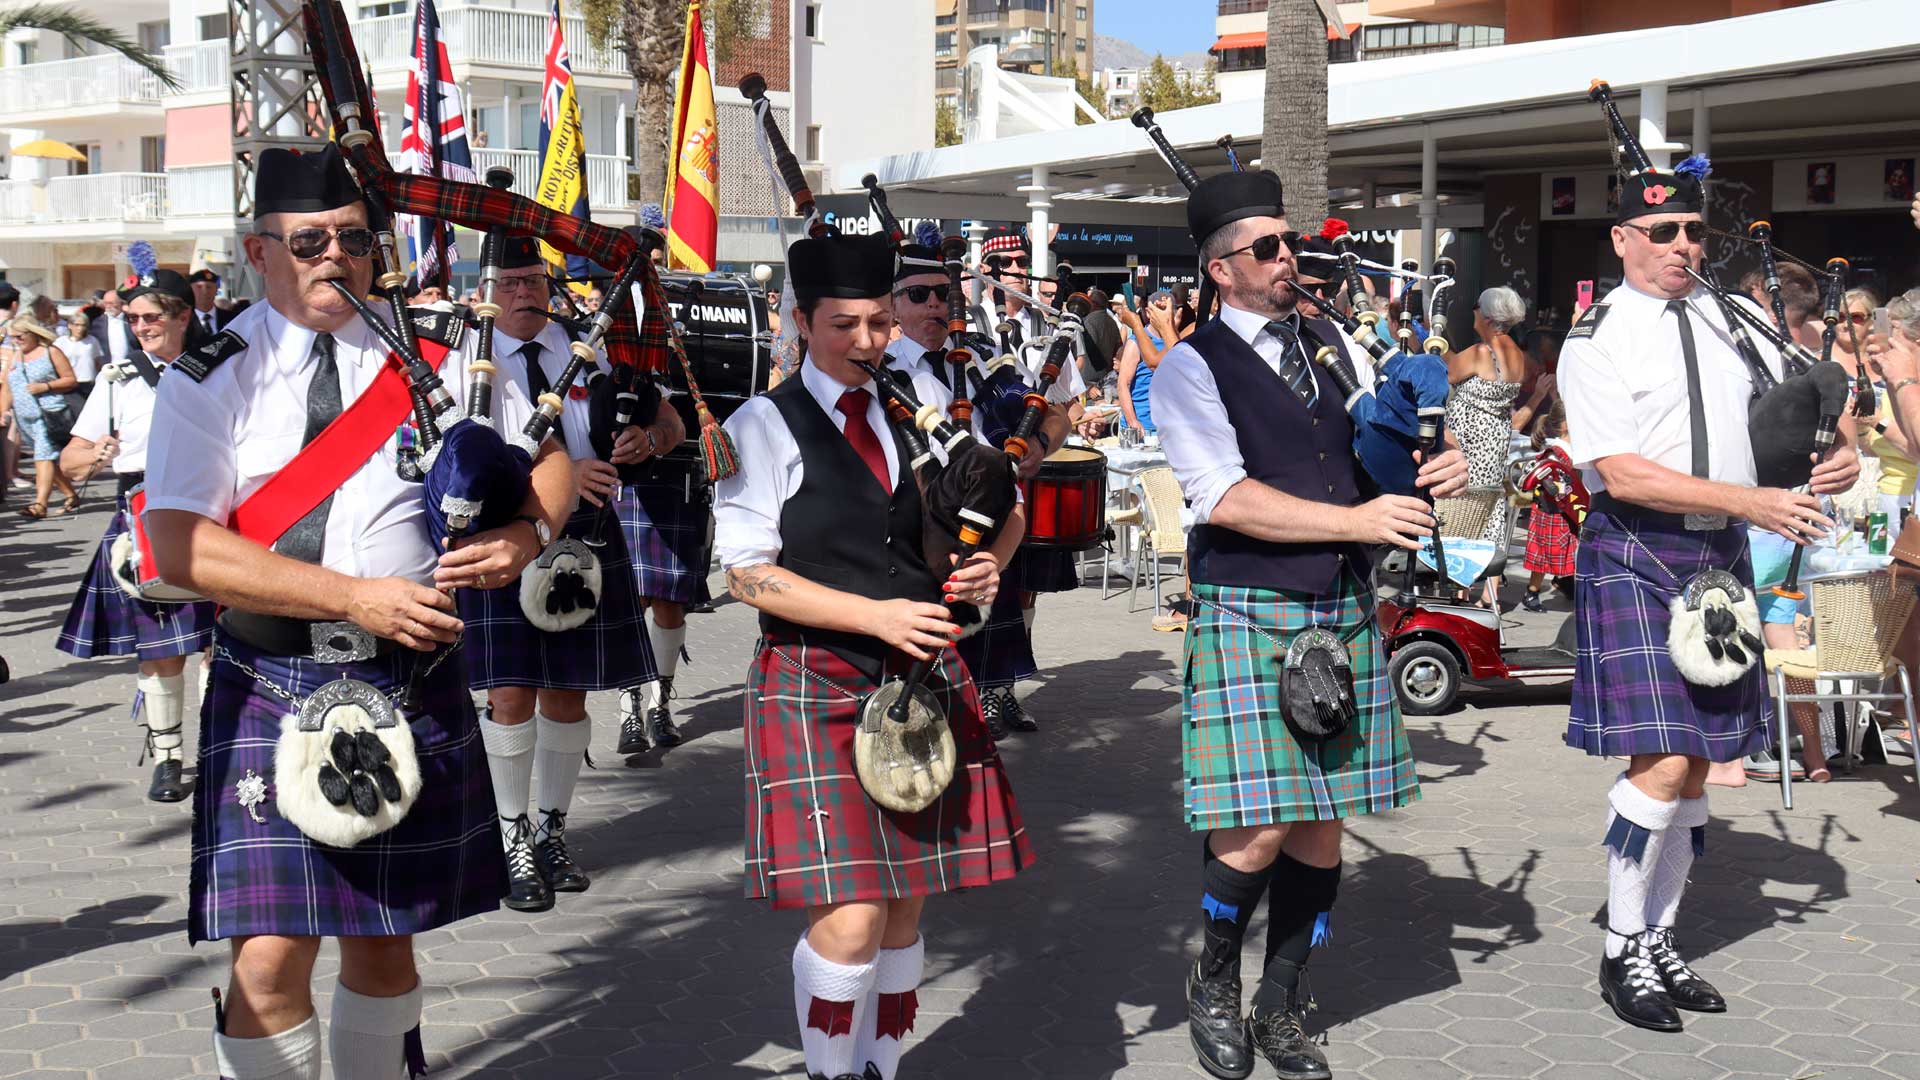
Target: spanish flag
(563,150)
(693,158)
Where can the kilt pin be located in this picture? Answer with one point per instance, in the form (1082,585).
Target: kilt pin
(104,621)
(1628,698)
(260,875)
(607,652)
(667,532)
(814,837)
(1243,765)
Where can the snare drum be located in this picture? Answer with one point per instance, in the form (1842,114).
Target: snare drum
(132,560)
(1067,501)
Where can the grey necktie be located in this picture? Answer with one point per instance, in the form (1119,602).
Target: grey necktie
(304,539)
(1696,402)
(1293,361)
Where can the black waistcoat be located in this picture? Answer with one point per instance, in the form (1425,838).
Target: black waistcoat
(842,531)
(1304,452)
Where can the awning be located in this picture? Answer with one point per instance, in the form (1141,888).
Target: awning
(1257,39)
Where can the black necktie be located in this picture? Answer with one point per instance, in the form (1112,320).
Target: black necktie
(1293,361)
(1696,403)
(537,379)
(303,540)
(937,360)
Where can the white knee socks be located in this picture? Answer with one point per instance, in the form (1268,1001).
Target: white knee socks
(666,646)
(890,1009)
(1636,834)
(831,1001)
(557,756)
(510,762)
(294,1054)
(367,1036)
(164,703)
(1684,839)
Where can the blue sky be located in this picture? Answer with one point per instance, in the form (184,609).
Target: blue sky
(1164,26)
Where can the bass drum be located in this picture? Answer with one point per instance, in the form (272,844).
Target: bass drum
(131,559)
(1067,501)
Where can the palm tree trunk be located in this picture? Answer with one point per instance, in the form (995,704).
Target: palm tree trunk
(1293,135)
(653,31)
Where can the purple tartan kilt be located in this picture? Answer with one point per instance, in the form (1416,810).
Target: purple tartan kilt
(1000,653)
(609,652)
(1627,696)
(668,535)
(812,835)
(440,864)
(105,621)
(1037,571)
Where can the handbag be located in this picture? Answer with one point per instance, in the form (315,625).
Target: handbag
(1906,547)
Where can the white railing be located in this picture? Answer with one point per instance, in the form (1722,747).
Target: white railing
(200,191)
(106,197)
(489,35)
(606,174)
(201,65)
(33,89)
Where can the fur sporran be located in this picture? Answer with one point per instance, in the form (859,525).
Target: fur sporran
(1316,685)
(561,590)
(904,765)
(344,767)
(1713,633)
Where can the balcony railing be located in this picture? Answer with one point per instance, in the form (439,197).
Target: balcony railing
(200,191)
(84,81)
(201,65)
(1242,7)
(72,200)
(606,174)
(489,35)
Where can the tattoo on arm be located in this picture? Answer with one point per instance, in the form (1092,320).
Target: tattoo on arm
(752,582)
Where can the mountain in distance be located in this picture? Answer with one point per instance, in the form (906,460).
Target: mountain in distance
(1113,52)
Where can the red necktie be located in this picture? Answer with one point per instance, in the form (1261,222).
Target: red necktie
(853,406)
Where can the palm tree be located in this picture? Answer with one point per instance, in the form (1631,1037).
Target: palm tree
(79,27)
(1293,128)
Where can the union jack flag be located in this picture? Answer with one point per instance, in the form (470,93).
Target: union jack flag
(433,142)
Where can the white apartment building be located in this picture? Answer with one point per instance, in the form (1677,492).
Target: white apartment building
(159,162)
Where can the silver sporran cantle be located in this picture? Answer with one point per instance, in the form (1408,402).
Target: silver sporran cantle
(560,590)
(904,764)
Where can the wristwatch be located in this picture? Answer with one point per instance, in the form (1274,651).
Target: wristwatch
(542,532)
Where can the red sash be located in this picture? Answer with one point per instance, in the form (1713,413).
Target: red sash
(325,464)
(146,566)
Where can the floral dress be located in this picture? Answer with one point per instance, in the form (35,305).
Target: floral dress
(31,412)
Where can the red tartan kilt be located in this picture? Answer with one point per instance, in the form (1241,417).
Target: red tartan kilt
(812,835)
(1550,543)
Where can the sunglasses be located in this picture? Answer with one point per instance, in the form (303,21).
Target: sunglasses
(1666,231)
(138,318)
(917,294)
(1859,318)
(357,243)
(1266,248)
(1006,262)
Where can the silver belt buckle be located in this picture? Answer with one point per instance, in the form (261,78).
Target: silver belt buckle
(1704,522)
(341,642)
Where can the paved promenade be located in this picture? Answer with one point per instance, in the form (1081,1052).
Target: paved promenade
(1464,943)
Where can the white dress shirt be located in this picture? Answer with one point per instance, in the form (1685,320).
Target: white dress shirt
(1192,420)
(1625,388)
(119,337)
(125,406)
(225,436)
(746,509)
(512,411)
(207,319)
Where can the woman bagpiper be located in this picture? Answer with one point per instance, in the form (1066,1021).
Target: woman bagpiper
(106,619)
(833,561)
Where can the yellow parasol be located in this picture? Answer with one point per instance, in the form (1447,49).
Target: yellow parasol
(49,148)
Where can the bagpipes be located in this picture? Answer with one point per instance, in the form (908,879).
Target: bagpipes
(1865,400)
(1761,233)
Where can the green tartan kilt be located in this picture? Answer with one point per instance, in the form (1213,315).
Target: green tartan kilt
(1244,766)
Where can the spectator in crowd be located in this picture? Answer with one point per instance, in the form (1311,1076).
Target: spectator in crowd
(596,296)
(38,383)
(423,295)
(1537,396)
(1185,321)
(82,352)
(1150,340)
(1552,538)
(1799,295)
(1486,382)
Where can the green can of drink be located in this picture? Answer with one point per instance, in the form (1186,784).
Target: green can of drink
(1877,533)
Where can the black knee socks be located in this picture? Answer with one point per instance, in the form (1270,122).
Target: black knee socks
(1299,905)
(1227,903)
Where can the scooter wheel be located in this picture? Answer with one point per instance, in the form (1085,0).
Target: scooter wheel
(1425,676)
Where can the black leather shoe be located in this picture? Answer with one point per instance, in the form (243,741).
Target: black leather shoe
(526,889)
(556,863)
(633,725)
(1685,989)
(1017,717)
(168,786)
(660,725)
(1281,1038)
(991,712)
(1631,983)
(1215,1027)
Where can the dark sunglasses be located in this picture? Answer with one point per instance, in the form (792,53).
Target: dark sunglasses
(1006,262)
(918,294)
(1859,318)
(1666,231)
(312,243)
(1266,248)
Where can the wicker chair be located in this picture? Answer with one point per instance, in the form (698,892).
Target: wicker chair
(1160,530)
(1857,620)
